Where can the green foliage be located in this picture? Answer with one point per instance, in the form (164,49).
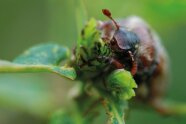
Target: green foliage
(121,84)
(62,117)
(87,39)
(89,34)
(91,47)
(44,54)
(41,58)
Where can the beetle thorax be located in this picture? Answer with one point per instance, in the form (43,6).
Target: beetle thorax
(123,41)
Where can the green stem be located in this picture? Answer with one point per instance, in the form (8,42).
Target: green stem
(81,14)
(117,116)
(114,107)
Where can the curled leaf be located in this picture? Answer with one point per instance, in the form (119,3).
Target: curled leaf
(121,83)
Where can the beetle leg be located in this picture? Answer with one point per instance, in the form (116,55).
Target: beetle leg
(134,64)
(164,108)
(116,63)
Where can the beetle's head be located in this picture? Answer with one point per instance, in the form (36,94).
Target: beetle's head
(122,40)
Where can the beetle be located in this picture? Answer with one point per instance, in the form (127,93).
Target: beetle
(138,49)
(123,43)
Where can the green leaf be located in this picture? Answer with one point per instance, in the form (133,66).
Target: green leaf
(41,58)
(121,84)
(47,54)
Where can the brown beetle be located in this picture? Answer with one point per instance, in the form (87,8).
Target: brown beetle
(137,49)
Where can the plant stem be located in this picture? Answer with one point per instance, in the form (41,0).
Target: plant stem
(81,14)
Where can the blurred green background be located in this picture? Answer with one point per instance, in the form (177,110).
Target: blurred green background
(31,98)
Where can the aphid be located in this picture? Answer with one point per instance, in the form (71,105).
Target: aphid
(137,48)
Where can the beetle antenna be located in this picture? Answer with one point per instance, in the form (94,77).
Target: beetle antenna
(107,13)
